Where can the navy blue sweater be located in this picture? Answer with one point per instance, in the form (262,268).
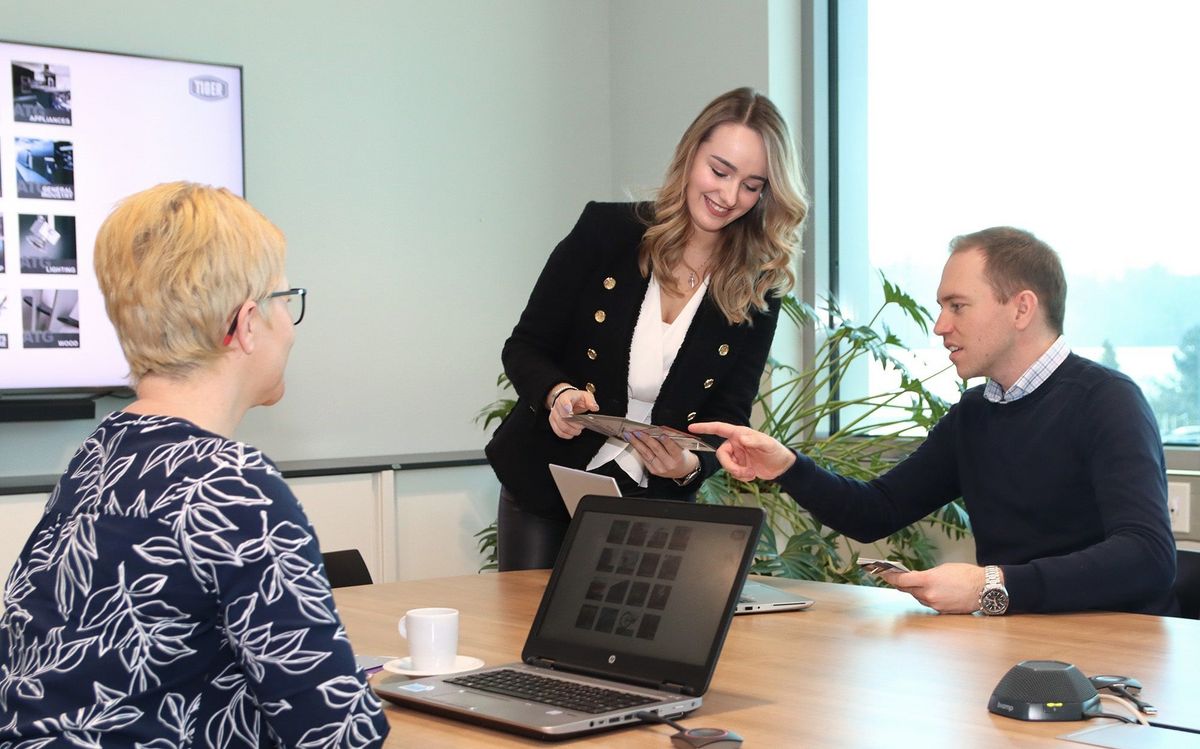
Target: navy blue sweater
(1066,489)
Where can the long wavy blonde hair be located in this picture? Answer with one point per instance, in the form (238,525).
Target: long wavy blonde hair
(757,250)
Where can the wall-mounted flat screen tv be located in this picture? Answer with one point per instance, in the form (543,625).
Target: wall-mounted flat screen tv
(79,130)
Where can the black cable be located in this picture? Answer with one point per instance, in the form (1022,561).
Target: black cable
(1114,716)
(649,717)
(1186,729)
(1125,692)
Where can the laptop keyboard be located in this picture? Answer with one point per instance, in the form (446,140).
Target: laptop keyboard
(557,692)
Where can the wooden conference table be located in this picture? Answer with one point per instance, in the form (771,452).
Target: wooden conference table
(865,667)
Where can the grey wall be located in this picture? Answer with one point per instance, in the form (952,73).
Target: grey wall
(669,59)
(423,159)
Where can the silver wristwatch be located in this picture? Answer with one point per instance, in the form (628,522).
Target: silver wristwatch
(993,599)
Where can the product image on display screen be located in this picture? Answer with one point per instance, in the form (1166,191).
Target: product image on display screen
(47,244)
(41,93)
(89,128)
(50,318)
(45,169)
(3,314)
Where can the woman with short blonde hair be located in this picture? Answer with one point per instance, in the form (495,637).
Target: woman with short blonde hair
(174,263)
(173,589)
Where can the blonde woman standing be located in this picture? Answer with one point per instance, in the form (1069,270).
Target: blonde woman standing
(663,313)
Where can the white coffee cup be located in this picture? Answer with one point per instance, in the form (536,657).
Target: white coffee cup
(432,636)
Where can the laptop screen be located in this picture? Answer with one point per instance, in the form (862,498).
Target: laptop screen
(647,586)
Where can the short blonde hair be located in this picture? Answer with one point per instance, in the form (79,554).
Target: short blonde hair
(757,251)
(174,263)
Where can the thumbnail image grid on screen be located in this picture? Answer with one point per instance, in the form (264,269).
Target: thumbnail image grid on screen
(645,586)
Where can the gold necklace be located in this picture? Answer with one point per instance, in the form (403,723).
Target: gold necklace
(692,272)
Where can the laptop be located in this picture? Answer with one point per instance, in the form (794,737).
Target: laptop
(756,597)
(633,619)
(760,598)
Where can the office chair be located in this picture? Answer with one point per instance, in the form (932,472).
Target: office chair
(346,568)
(1187,582)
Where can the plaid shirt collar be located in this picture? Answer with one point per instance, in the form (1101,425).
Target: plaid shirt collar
(1033,377)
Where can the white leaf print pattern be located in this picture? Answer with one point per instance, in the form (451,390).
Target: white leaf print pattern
(198,525)
(75,552)
(147,633)
(85,726)
(178,718)
(160,550)
(289,573)
(169,554)
(99,470)
(344,694)
(33,661)
(28,744)
(171,456)
(238,723)
(260,646)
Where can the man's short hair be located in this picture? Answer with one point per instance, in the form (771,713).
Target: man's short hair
(1015,260)
(175,262)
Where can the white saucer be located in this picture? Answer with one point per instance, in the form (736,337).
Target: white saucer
(404,666)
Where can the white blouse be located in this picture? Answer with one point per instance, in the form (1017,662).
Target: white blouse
(651,353)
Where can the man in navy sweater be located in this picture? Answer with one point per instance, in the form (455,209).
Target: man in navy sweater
(1058,459)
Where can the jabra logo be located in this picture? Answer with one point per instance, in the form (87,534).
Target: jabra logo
(1003,706)
(612,659)
(208,88)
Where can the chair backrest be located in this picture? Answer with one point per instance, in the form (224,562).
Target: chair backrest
(346,568)
(1187,582)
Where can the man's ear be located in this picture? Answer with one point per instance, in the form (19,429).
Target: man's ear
(1027,309)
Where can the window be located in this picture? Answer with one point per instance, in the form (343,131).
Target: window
(1076,120)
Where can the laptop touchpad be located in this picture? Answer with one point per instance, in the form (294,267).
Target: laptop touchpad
(473,700)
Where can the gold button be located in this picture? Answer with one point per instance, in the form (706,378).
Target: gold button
(708,383)
(691,416)
(590,388)
(723,349)
(592,354)
(610,283)
(600,315)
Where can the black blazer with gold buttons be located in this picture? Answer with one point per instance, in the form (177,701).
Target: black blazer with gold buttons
(578,327)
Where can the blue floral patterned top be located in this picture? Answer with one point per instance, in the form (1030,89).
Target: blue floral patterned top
(172,595)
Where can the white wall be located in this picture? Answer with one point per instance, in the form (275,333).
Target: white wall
(423,159)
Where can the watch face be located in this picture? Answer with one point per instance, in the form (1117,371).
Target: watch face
(994,601)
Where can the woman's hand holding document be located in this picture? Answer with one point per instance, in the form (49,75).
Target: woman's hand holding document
(619,427)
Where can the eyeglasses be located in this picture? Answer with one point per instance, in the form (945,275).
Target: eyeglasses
(295,311)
